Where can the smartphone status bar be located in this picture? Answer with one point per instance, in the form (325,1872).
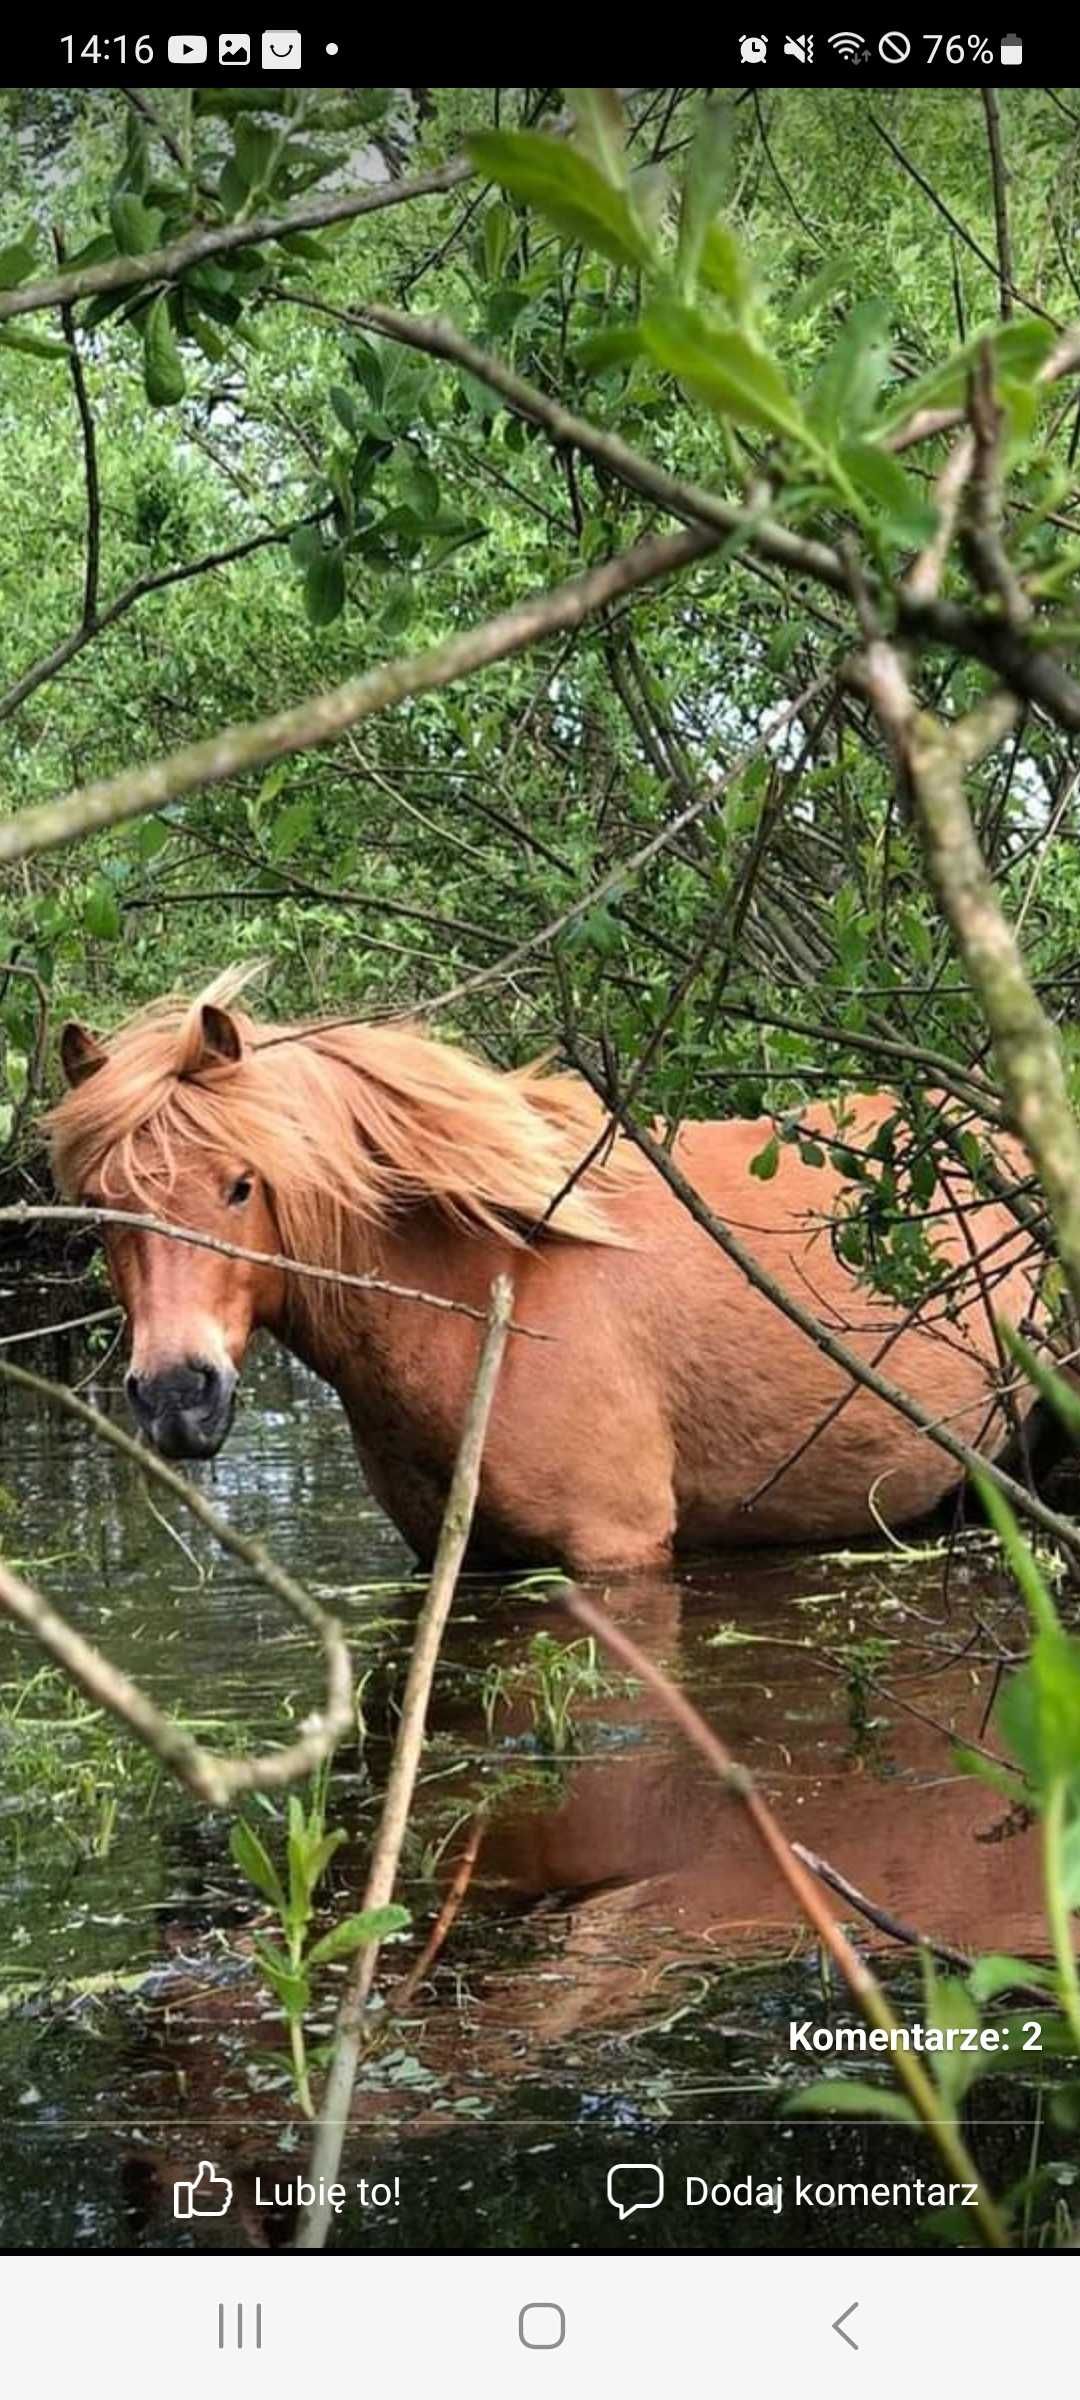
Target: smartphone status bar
(264,55)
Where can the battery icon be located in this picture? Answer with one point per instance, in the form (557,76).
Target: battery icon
(1012,50)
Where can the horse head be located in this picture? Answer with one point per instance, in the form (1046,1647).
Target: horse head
(191,1308)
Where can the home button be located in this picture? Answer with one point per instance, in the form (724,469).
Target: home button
(542,2325)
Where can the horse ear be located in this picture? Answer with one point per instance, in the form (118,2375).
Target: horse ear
(221,1033)
(81,1053)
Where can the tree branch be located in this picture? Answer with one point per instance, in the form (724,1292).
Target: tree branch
(320,720)
(333,2117)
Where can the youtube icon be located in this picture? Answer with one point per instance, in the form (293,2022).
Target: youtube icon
(187,49)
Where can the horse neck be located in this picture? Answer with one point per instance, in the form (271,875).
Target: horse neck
(383,1344)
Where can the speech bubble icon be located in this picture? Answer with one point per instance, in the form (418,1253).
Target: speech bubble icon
(634,2183)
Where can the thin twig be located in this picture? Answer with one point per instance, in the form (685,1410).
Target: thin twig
(1001,203)
(892,1926)
(27,1212)
(333,2116)
(93,483)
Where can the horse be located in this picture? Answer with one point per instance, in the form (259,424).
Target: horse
(651,1402)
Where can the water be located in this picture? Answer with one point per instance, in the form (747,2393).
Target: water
(621,1979)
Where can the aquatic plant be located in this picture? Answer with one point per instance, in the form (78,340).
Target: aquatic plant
(554,1679)
(288,1966)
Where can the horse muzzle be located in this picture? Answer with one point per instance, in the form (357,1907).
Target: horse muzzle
(187,1410)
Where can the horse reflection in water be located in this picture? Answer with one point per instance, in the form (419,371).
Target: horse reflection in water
(670,1409)
(628,1879)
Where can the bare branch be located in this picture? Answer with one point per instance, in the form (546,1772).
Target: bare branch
(26,1212)
(1001,204)
(333,2115)
(215,241)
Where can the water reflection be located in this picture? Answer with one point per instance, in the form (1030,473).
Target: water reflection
(616,1899)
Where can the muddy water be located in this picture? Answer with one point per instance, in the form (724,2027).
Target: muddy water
(622,1976)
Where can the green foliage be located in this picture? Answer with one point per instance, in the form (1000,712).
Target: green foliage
(289,1964)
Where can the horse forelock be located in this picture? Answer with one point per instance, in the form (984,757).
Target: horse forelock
(345,1124)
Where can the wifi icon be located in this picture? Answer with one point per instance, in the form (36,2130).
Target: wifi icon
(847,45)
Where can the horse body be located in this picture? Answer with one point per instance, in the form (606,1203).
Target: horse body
(667,1407)
(667,1391)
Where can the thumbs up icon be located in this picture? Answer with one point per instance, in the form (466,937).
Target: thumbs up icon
(207,2195)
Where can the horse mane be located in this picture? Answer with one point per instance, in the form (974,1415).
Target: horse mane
(344,1123)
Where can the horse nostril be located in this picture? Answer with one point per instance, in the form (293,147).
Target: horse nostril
(134,1390)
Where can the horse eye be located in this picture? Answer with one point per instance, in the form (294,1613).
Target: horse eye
(241,1191)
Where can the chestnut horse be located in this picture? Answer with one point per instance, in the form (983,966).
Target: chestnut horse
(668,1393)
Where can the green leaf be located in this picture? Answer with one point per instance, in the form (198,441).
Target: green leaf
(567,189)
(951,2008)
(396,612)
(845,389)
(725,268)
(1008,1784)
(148,837)
(288,1983)
(371,1925)
(499,231)
(614,346)
(223,101)
(255,1862)
(345,408)
(163,367)
(255,148)
(997,1973)
(841,2098)
(706,185)
(136,228)
(101,911)
(724,367)
(1069,1863)
(1018,350)
(32,345)
(205,335)
(367,366)
(766,1162)
(907,514)
(324,586)
(1021,1559)
(1052,1387)
(290,828)
(16,263)
(305,543)
(601,129)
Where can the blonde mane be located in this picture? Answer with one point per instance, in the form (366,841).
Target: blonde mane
(344,1123)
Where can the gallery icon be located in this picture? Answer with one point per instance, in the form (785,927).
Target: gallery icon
(234,49)
(281,50)
(187,49)
(208,2194)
